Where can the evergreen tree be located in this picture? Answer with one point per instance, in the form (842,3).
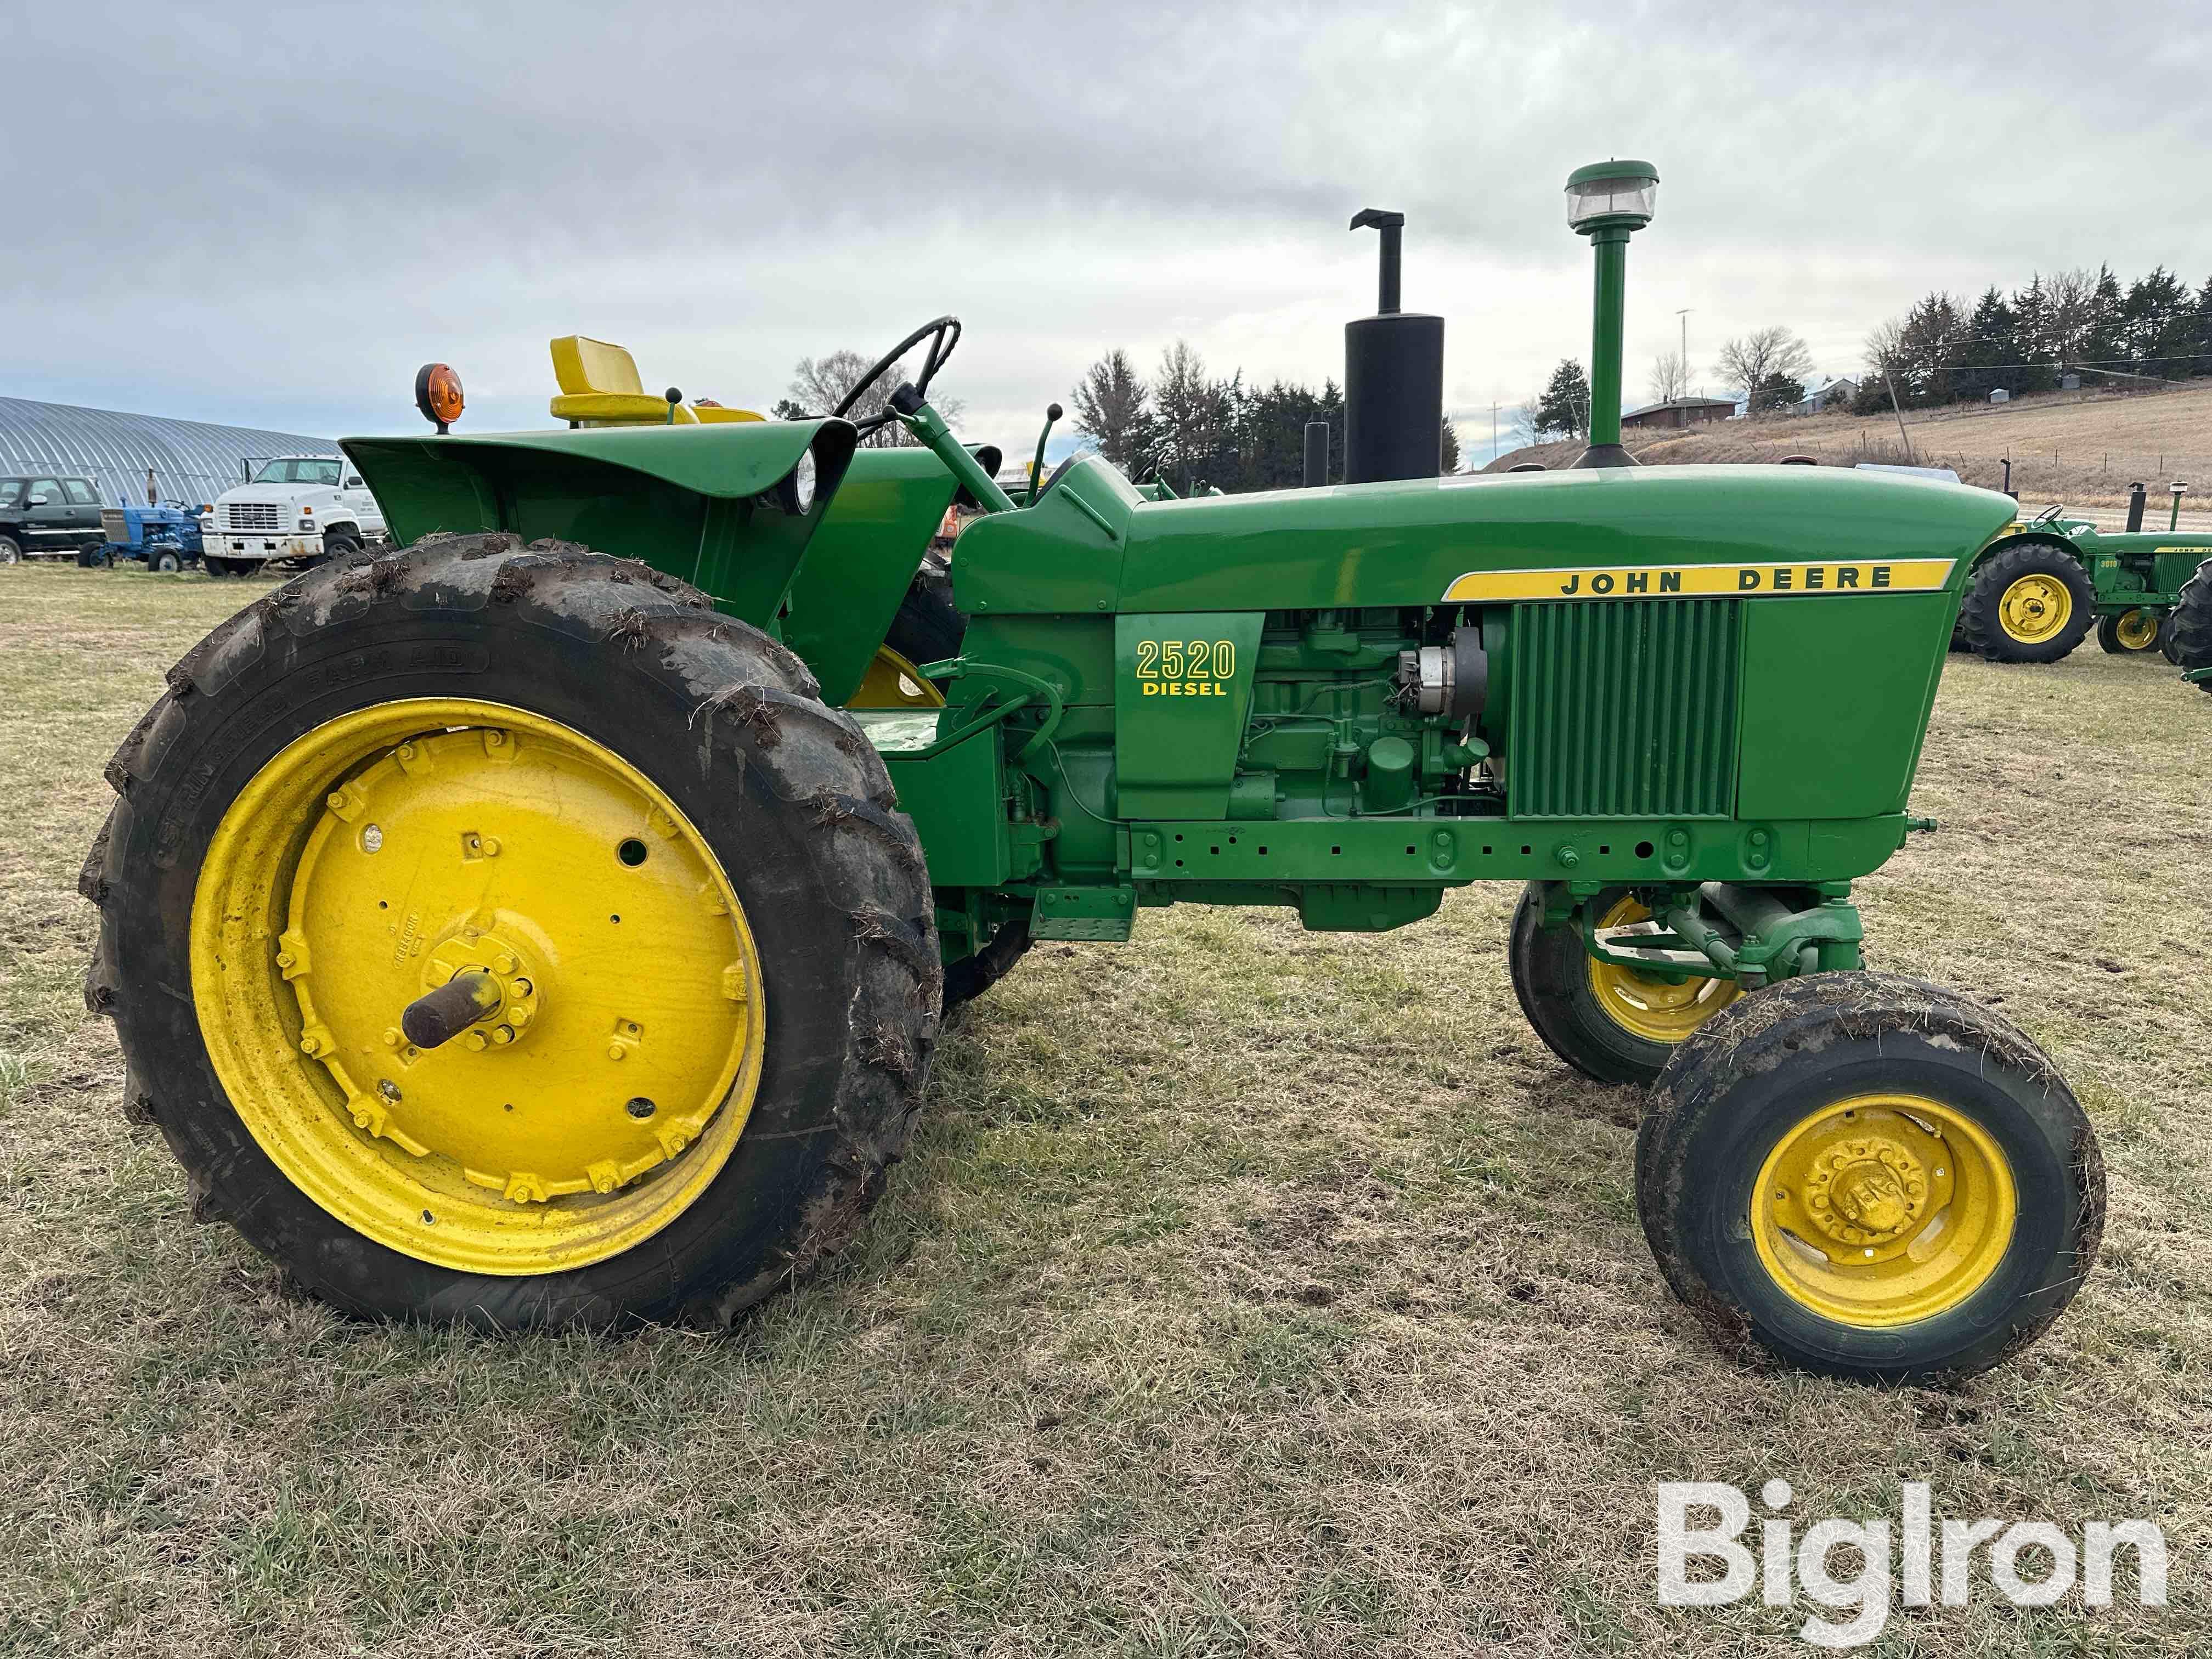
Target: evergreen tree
(1564,410)
(2200,331)
(1112,409)
(2103,339)
(1450,447)
(1987,347)
(1776,391)
(2034,338)
(2156,324)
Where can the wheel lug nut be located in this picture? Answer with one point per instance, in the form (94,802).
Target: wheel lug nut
(502,964)
(502,1034)
(474,1040)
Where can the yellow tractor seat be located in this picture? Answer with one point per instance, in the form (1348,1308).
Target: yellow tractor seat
(599,386)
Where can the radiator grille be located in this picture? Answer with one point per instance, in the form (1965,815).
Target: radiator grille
(114,524)
(1623,708)
(260,516)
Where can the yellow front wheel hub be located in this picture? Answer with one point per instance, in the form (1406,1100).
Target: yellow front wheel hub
(1657,1009)
(2036,607)
(617,1046)
(1884,1209)
(2137,630)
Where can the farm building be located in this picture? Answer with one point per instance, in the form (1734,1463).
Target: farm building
(1680,411)
(191,461)
(1835,394)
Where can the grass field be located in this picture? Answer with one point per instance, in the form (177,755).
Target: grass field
(1247,1291)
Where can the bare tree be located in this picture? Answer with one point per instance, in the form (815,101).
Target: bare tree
(1753,359)
(1110,403)
(818,384)
(1670,377)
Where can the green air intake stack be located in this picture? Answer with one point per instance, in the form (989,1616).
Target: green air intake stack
(1393,377)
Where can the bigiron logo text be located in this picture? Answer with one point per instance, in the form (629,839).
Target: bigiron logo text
(1925,1562)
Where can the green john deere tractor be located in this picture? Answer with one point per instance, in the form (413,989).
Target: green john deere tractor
(2041,588)
(538,926)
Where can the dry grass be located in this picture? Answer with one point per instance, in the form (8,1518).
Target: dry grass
(2084,448)
(1248,1291)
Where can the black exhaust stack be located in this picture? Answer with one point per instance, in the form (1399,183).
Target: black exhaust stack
(1394,376)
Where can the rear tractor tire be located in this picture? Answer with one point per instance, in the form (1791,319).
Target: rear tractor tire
(1869,1177)
(2189,629)
(1610,1023)
(2029,603)
(2131,633)
(555,957)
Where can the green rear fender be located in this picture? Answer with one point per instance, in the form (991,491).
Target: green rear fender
(713,504)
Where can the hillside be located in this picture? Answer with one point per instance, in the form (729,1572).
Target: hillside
(2082,448)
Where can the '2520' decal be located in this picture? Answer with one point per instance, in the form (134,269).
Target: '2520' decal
(1186,668)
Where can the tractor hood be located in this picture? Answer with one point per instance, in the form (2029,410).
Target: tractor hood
(1426,539)
(1502,537)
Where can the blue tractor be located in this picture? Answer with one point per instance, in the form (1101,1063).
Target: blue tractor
(163,538)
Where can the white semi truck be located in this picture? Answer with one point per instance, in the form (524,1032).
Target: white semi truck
(293,509)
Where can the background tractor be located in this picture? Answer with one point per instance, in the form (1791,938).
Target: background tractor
(161,538)
(551,922)
(2040,589)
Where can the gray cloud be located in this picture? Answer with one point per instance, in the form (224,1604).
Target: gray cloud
(274,216)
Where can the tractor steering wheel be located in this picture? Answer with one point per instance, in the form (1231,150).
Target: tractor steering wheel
(942,336)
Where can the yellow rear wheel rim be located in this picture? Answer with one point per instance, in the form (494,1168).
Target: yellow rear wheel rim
(1646,1005)
(2036,607)
(386,850)
(892,682)
(2137,630)
(1883,1210)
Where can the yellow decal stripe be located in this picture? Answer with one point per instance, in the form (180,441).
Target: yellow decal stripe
(1646,581)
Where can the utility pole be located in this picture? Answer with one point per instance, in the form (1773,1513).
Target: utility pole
(1493,428)
(1684,313)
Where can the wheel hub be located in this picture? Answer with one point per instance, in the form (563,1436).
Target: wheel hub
(1883,1209)
(1867,1190)
(612,1023)
(2138,630)
(2035,608)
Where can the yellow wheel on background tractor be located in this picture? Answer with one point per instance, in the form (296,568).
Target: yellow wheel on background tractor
(2131,632)
(1614,1024)
(2030,601)
(2035,609)
(1870,1176)
(555,957)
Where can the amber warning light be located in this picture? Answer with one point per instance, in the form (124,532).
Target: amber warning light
(438,394)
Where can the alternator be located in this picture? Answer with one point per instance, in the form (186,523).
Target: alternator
(1450,680)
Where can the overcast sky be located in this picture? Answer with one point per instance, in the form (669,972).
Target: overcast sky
(272,214)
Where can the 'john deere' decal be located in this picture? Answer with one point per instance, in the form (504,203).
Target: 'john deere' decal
(1703,581)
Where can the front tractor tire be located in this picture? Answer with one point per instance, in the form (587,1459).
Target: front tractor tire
(690,943)
(1610,1023)
(1869,1177)
(2031,602)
